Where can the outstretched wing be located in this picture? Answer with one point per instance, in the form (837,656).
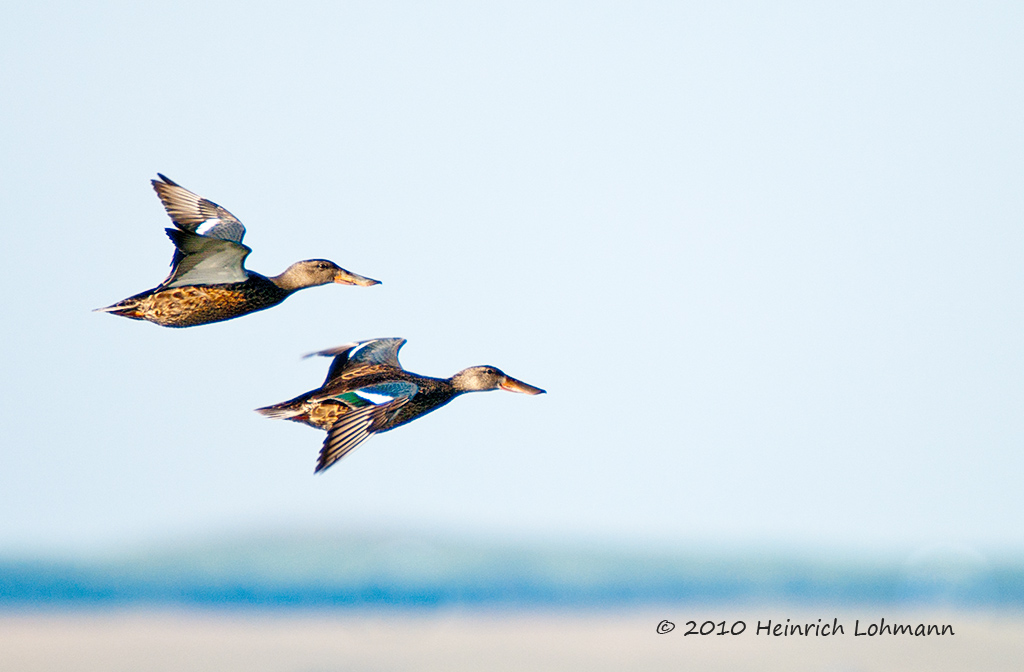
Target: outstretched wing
(202,260)
(195,214)
(208,247)
(355,358)
(355,427)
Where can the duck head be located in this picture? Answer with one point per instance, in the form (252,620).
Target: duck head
(483,378)
(313,272)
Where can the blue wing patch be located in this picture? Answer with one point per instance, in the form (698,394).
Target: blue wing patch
(377,395)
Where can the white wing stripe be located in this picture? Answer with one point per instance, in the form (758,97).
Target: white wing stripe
(372,397)
(208,225)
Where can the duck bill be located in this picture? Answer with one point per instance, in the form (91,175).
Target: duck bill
(343,277)
(513,385)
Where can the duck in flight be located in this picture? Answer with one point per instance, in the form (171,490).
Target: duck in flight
(208,280)
(367,391)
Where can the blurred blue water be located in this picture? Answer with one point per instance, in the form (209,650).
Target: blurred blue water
(420,572)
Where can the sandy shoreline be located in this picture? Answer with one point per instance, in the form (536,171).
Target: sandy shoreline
(255,641)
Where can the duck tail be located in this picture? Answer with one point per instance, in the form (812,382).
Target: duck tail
(286,410)
(126,308)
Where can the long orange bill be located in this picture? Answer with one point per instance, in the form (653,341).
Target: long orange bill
(513,385)
(343,277)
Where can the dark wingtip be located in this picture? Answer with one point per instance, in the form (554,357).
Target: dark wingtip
(167,182)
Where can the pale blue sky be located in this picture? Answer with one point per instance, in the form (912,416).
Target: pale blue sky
(767,259)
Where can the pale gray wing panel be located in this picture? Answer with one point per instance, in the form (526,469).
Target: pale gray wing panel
(206,261)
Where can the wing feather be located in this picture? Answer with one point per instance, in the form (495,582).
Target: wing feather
(202,260)
(340,355)
(352,429)
(195,214)
(354,357)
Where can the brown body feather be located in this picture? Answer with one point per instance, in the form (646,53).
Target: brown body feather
(201,304)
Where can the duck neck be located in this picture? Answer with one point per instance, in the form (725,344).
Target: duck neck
(288,282)
(460,385)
